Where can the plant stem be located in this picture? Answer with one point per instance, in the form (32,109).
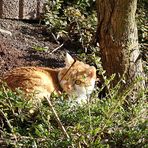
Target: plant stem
(58,119)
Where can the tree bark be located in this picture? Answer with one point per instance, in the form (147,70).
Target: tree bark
(118,39)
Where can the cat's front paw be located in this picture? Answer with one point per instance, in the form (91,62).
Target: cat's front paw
(81,100)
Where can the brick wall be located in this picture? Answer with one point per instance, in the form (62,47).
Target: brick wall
(21,9)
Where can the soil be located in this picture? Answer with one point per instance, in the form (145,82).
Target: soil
(20,49)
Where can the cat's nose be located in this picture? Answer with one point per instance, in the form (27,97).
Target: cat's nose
(69,86)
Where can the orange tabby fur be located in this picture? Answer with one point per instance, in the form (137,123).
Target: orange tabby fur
(77,79)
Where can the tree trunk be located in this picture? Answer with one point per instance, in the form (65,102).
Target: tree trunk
(118,39)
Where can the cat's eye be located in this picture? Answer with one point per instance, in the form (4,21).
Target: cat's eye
(78,82)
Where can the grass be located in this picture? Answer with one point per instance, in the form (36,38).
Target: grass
(112,121)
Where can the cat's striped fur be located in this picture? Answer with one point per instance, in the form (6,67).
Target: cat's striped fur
(76,79)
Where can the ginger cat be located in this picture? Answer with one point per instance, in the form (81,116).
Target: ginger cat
(76,79)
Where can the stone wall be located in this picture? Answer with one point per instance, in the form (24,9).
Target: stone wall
(22,9)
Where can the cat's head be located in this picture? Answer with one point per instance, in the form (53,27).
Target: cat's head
(77,79)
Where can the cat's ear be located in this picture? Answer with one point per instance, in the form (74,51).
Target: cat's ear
(68,60)
(92,72)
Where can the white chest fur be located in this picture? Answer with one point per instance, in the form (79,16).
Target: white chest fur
(81,94)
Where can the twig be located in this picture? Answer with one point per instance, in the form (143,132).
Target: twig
(58,119)
(65,74)
(54,111)
(5,31)
(56,48)
(9,124)
(55,38)
(20,137)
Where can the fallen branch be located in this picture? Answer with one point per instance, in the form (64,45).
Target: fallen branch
(5,31)
(58,119)
(57,48)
